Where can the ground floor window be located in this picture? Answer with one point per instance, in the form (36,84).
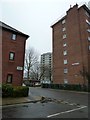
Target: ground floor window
(9,78)
(65,81)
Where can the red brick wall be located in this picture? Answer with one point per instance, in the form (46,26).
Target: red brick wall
(10,67)
(57,52)
(74,46)
(84,37)
(77,47)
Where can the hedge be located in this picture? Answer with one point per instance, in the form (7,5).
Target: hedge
(20,91)
(7,90)
(14,91)
(74,87)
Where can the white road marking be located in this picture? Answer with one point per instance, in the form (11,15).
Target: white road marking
(66,111)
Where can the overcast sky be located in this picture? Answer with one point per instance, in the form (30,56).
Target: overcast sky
(34,17)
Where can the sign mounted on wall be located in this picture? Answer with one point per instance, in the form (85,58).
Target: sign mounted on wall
(75,63)
(19,68)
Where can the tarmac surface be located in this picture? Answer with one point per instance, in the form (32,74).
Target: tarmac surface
(44,110)
(47,103)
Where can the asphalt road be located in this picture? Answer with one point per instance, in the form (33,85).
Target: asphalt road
(75,97)
(63,104)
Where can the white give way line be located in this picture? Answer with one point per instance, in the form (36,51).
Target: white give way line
(66,111)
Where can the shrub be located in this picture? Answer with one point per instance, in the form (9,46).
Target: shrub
(74,87)
(18,91)
(7,90)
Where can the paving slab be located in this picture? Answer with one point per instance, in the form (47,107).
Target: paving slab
(10,101)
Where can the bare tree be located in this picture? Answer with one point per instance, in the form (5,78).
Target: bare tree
(31,58)
(86,75)
(33,68)
(47,73)
(37,71)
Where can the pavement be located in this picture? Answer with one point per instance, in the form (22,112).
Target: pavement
(20,100)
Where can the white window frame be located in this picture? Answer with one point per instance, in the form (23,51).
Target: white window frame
(65,44)
(11,56)
(13,36)
(63,29)
(87,22)
(9,78)
(65,52)
(64,36)
(65,62)
(88,30)
(65,81)
(89,47)
(65,70)
(63,21)
(88,38)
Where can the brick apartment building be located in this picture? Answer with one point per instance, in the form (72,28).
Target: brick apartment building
(71,46)
(12,46)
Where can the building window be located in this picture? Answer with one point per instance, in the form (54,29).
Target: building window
(65,52)
(87,14)
(89,47)
(63,22)
(9,78)
(13,36)
(64,29)
(65,62)
(88,30)
(88,38)
(65,81)
(11,56)
(65,70)
(87,22)
(64,36)
(64,45)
